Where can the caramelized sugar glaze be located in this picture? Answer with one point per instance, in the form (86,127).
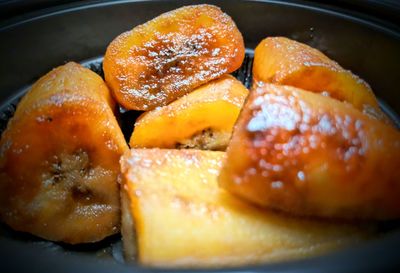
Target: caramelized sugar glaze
(167,57)
(59,159)
(308,154)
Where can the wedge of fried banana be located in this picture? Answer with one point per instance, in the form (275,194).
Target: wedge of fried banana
(307,154)
(169,56)
(284,61)
(202,119)
(175,215)
(59,159)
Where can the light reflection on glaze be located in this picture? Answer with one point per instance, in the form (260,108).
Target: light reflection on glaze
(331,159)
(280,60)
(169,56)
(59,159)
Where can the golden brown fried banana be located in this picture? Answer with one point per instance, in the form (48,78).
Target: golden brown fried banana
(175,215)
(202,119)
(308,154)
(169,56)
(283,61)
(59,159)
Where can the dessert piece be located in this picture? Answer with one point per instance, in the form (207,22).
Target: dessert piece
(307,154)
(167,57)
(59,159)
(202,119)
(175,215)
(283,61)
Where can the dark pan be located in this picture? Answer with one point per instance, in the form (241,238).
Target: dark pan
(33,44)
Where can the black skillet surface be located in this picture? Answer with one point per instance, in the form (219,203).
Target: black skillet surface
(32,45)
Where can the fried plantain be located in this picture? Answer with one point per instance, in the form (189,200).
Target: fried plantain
(59,159)
(175,215)
(169,56)
(283,61)
(307,154)
(202,119)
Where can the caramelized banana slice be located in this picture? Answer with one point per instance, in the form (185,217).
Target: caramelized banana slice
(59,159)
(169,56)
(171,200)
(202,119)
(308,154)
(283,61)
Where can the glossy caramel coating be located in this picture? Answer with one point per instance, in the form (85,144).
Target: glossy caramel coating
(175,215)
(307,154)
(283,61)
(59,159)
(167,57)
(202,119)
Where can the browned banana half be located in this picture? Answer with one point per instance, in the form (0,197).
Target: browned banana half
(280,60)
(175,215)
(167,57)
(203,119)
(308,154)
(59,159)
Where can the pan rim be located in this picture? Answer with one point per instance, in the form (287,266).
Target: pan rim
(366,20)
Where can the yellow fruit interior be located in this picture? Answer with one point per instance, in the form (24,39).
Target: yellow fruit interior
(183,218)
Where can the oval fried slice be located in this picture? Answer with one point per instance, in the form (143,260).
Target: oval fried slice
(59,159)
(169,56)
(283,61)
(308,154)
(202,119)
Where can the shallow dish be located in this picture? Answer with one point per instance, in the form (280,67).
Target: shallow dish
(33,44)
